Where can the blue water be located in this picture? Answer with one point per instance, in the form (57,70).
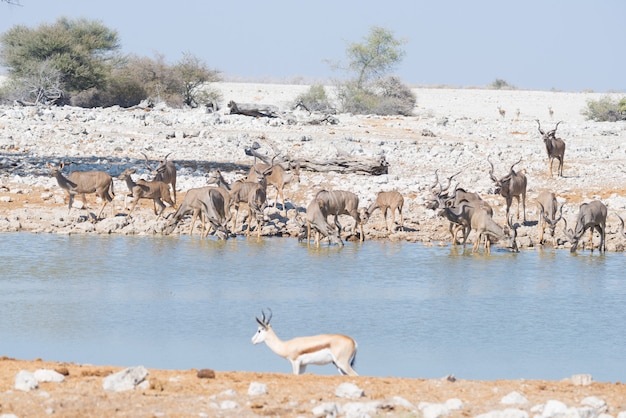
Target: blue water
(415,311)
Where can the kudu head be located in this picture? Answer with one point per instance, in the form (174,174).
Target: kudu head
(621,229)
(551,222)
(572,236)
(502,185)
(550,134)
(440,195)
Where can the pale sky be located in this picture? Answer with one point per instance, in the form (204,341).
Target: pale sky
(564,45)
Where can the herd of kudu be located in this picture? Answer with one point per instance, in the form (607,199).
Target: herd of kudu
(214,202)
(465,210)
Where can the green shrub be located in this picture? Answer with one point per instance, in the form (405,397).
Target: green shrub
(386,96)
(499,84)
(315,99)
(605,109)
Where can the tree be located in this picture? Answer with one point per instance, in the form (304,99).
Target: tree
(194,75)
(81,50)
(374,58)
(372,90)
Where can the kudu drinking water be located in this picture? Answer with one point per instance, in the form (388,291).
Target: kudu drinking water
(510,186)
(84,182)
(341,202)
(277,176)
(253,194)
(208,203)
(555,147)
(547,217)
(316,221)
(385,201)
(590,216)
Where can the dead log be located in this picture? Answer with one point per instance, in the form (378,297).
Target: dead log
(254,110)
(373,167)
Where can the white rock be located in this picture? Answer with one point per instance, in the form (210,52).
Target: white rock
(126,379)
(454,404)
(400,401)
(505,413)
(594,402)
(360,409)
(228,404)
(45,375)
(257,389)
(327,409)
(514,398)
(553,408)
(582,379)
(433,410)
(349,390)
(26,381)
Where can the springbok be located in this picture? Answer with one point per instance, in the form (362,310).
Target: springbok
(341,202)
(555,147)
(83,182)
(510,186)
(165,172)
(392,201)
(156,190)
(548,207)
(302,351)
(590,216)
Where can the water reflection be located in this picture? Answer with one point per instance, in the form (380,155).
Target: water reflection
(415,311)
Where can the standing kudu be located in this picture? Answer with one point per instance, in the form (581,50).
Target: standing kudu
(252,193)
(487,228)
(165,172)
(277,176)
(590,216)
(392,201)
(555,147)
(547,217)
(155,190)
(83,182)
(510,186)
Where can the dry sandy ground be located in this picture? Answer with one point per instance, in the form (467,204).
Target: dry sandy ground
(180,393)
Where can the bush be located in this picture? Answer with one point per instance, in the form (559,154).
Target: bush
(315,100)
(387,96)
(499,84)
(605,110)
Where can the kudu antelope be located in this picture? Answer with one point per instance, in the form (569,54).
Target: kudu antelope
(253,194)
(340,202)
(316,220)
(155,190)
(486,228)
(590,216)
(278,177)
(208,202)
(555,147)
(433,203)
(84,182)
(340,350)
(510,186)
(165,172)
(547,214)
(474,202)
(392,201)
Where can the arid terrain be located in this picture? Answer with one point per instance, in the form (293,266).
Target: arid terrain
(452,130)
(181,393)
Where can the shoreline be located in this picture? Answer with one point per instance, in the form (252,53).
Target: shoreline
(206,392)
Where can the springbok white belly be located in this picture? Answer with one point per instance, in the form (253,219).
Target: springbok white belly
(318,357)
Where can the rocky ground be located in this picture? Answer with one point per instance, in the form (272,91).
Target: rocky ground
(182,393)
(452,130)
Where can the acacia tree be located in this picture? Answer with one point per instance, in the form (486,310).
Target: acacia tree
(373,90)
(375,57)
(81,50)
(194,75)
